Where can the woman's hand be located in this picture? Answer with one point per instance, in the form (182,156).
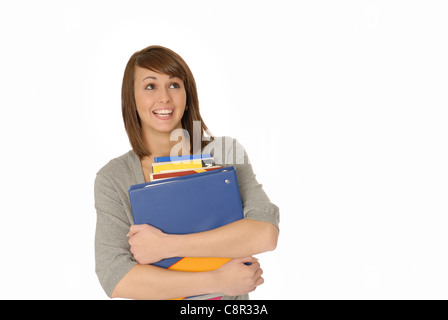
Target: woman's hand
(236,278)
(148,244)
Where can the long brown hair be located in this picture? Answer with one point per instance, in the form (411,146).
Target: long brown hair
(162,60)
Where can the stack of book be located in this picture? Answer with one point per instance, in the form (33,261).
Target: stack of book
(170,167)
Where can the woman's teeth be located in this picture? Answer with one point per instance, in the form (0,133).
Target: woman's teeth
(163,113)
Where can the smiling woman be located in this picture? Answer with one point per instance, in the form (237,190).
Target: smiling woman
(152,74)
(158,97)
(161,101)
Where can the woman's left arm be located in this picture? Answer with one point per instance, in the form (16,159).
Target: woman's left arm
(238,239)
(256,233)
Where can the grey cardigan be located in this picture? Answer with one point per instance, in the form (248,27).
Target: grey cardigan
(114,215)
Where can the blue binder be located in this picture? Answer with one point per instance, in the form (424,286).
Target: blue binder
(188,204)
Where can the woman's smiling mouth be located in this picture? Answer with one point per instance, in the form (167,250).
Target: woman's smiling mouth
(163,114)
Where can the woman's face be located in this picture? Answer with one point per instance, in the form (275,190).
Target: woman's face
(160,100)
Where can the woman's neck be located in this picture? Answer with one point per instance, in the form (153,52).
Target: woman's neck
(160,145)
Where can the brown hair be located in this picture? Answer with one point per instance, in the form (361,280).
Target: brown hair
(162,60)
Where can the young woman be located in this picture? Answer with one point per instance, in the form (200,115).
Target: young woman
(159,96)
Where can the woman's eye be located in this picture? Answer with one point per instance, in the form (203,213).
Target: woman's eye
(150,86)
(174,85)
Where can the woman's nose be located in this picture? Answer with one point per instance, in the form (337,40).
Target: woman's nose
(164,95)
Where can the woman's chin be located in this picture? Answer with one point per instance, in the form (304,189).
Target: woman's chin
(165,127)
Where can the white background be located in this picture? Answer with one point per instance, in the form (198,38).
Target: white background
(341,105)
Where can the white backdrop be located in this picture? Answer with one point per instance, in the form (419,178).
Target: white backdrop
(341,105)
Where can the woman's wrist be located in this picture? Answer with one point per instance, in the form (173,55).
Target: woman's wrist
(173,245)
(213,282)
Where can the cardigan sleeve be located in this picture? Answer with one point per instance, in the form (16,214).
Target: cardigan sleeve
(113,258)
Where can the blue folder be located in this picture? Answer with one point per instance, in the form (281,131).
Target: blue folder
(181,158)
(188,204)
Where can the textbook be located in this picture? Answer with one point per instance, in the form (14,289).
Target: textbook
(189,204)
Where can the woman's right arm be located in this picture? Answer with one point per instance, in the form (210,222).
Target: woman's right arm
(151,282)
